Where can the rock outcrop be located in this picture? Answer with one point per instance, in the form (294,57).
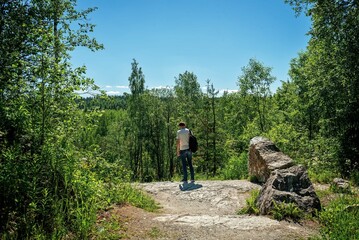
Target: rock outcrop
(285,182)
(290,185)
(265,157)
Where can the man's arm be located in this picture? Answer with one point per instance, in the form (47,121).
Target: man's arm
(178,147)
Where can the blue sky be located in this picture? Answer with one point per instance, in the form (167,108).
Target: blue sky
(213,39)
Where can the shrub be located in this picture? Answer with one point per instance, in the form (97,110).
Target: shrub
(236,168)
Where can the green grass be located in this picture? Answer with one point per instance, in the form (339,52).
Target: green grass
(155,232)
(339,215)
(323,193)
(113,226)
(135,197)
(110,228)
(322,176)
(340,218)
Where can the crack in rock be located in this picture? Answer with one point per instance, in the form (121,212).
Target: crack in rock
(228,221)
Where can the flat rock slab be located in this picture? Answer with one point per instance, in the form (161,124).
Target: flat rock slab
(216,197)
(209,212)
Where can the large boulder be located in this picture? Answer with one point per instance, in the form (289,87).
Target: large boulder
(290,185)
(265,157)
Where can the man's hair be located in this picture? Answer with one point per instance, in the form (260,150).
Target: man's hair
(181,124)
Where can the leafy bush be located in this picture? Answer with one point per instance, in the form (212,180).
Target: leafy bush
(236,168)
(251,207)
(289,140)
(57,192)
(283,210)
(47,194)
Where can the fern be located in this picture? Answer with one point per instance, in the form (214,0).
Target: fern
(251,206)
(283,210)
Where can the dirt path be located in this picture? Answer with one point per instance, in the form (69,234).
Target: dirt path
(206,212)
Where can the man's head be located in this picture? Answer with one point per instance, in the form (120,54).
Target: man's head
(182,125)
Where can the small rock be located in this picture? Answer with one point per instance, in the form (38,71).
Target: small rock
(340,185)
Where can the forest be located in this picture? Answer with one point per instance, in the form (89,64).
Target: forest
(64,156)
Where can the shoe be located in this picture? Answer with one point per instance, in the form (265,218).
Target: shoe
(192,181)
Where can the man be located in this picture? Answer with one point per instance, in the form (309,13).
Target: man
(183,151)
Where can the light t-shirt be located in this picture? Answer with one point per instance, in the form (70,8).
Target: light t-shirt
(183,136)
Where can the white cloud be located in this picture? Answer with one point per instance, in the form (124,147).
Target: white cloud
(228,90)
(122,87)
(163,87)
(113,93)
(221,91)
(108,86)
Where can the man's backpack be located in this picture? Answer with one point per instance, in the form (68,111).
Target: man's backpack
(193,145)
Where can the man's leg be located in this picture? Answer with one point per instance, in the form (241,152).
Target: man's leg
(184,165)
(189,159)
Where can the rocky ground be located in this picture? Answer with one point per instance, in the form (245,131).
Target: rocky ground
(206,211)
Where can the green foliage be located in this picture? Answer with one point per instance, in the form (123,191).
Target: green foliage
(254,86)
(100,103)
(236,167)
(290,141)
(46,191)
(355,178)
(136,80)
(327,76)
(251,204)
(61,159)
(340,219)
(321,175)
(56,196)
(283,210)
(250,130)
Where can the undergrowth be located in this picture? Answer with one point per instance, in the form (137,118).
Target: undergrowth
(251,207)
(339,219)
(283,211)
